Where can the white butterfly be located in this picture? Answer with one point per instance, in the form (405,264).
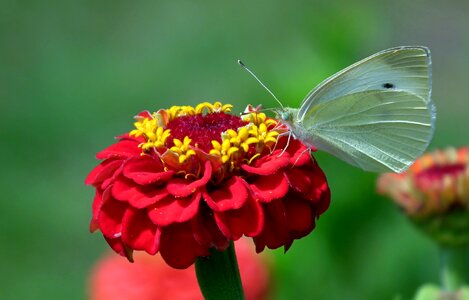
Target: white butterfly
(376,114)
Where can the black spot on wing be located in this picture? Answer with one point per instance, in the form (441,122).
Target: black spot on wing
(388,85)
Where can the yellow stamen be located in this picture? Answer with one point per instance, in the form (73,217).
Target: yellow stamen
(182,149)
(154,135)
(236,143)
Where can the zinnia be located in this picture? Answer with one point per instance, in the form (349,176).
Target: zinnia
(434,193)
(187,179)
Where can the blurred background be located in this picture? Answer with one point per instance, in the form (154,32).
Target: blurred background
(73,73)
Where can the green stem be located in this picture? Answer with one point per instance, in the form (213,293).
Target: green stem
(218,275)
(454,267)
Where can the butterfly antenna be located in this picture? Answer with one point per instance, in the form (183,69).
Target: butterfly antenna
(258,80)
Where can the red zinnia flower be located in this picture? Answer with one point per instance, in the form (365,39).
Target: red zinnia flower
(187,179)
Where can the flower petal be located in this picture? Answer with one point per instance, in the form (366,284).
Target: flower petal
(230,195)
(300,216)
(138,232)
(110,217)
(118,246)
(269,164)
(184,187)
(123,148)
(206,231)
(268,188)
(275,231)
(324,201)
(247,220)
(178,247)
(174,210)
(146,170)
(299,153)
(96,207)
(300,179)
(103,171)
(311,184)
(138,196)
(144,114)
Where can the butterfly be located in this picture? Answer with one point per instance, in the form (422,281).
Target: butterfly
(376,114)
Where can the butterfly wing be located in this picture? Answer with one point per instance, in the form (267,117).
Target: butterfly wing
(375,130)
(376,114)
(406,68)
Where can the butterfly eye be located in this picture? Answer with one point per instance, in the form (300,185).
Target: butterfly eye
(388,85)
(285,115)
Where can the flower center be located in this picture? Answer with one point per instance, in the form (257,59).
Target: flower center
(203,129)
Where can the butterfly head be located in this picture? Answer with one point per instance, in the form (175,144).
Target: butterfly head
(285,115)
(288,117)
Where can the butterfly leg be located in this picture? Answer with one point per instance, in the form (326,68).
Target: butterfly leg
(299,156)
(288,143)
(276,142)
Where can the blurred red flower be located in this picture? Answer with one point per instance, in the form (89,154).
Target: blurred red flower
(149,278)
(187,179)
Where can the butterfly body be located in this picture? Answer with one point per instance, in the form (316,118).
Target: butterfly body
(376,114)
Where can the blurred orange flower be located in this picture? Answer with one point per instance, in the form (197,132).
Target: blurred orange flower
(434,193)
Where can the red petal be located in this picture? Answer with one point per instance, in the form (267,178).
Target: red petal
(268,188)
(138,196)
(110,217)
(206,231)
(178,247)
(144,114)
(174,210)
(269,164)
(311,183)
(323,204)
(319,187)
(247,220)
(103,171)
(146,170)
(230,195)
(118,246)
(300,179)
(275,230)
(319,193)
(123,148)
(299,153)
(300,217)
(96,207)
(139,233)
(183,187)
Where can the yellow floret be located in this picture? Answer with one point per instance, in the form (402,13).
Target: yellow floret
(155,136)
(182,149)
(238,141)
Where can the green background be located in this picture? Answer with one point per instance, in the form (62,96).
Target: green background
(73,73)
